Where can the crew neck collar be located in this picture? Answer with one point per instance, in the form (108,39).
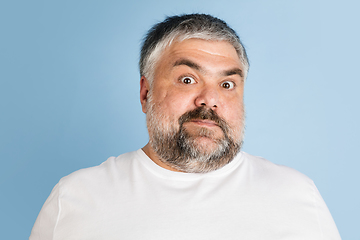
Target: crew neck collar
(168,174)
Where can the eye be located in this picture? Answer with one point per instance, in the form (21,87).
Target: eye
(187,80)
(227,85)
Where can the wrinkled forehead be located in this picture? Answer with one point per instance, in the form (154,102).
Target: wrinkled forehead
(211,53)
(167,44)
(184,49)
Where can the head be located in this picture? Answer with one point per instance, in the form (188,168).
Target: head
(193,69)
(180,28)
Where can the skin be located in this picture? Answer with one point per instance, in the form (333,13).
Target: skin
(194,73)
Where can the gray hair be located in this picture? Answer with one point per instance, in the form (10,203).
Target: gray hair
(180,28)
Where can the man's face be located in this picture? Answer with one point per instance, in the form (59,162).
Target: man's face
(195,109)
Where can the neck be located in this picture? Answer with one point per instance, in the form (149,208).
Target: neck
(148,150)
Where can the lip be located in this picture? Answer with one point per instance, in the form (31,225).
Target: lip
(205,123)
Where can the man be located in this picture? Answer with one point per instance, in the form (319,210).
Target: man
(190,181)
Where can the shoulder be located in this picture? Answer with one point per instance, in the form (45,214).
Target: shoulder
(279,183)
(260,169)
(108,170)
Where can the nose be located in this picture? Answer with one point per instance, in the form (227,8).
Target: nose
(208,96)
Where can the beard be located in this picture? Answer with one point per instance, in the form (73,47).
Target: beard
(182,150)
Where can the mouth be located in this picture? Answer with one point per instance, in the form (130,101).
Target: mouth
(204,123)
(203,118)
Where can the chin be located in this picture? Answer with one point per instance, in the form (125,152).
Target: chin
(205,144)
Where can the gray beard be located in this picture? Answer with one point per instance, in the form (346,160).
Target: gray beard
(180,150)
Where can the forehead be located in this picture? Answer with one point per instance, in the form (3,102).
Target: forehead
(220,48)
(210,55)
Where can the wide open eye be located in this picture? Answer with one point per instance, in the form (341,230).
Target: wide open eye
(227,85)
(187,80)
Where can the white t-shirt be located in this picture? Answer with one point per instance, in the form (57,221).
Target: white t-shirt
(130,197)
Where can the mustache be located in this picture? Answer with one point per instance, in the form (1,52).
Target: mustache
(204,113)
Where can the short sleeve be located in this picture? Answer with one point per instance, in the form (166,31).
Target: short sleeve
(47,219)
(327,225)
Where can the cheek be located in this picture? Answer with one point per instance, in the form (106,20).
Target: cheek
(176,103)
(236,121)
(234,113)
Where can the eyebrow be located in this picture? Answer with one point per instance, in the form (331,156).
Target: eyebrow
(188,63)
(191,64)
(235,71)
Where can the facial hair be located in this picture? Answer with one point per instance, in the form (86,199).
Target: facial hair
(181,150)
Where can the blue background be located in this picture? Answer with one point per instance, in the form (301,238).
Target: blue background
(69,93)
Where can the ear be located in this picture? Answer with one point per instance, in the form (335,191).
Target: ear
(144,90)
